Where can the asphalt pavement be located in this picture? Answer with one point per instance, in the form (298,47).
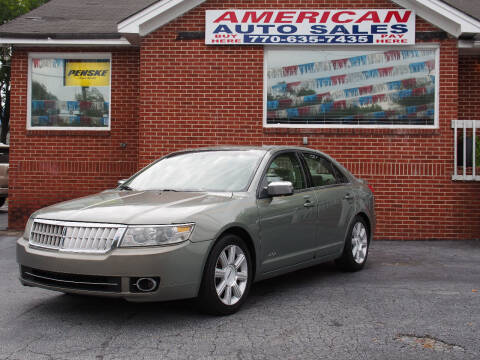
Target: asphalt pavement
(414,300)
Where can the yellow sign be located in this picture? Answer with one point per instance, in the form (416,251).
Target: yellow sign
(87,73)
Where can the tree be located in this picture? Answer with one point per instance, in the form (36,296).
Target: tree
(9,9)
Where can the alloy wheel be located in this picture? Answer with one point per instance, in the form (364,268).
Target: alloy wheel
(359,243)
(231,274)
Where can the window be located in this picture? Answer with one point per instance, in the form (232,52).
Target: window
(286,167)
(353,87)
(200,171)
(341,178)
(321,170)
(69,91)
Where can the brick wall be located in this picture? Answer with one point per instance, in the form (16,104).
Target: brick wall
(469,87)
(195,95)
(51,166)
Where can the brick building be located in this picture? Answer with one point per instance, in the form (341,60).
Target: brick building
(100,89)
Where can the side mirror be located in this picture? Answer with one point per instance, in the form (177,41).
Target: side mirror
(121,182)
(280,188)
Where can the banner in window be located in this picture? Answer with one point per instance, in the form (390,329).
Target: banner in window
(351,87)
(297,27)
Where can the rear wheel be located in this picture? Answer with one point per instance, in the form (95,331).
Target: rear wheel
(357,243)
(227,276)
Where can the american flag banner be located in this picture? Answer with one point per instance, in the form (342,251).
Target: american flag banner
(394,87)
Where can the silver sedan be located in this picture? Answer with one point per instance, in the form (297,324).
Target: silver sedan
(202,223)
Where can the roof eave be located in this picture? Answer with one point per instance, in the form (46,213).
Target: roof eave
(60,36)
(155,16)
(444,16)
(48,41)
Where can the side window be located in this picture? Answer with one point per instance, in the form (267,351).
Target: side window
(320,169)
(286,167)
(341,179)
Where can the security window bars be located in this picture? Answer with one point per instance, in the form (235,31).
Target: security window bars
(466,163)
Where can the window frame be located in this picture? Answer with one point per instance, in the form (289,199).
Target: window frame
(261,191)
(334,168)
(430,46)
(66,55)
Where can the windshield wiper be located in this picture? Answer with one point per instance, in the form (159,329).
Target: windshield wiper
(172,190)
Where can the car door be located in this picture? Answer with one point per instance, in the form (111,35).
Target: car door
(287,223)
(335,202)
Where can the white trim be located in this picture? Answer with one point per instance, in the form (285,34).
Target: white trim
(436,47)
(79,55)
(446,17)
(467,124)
(56,42)
(156,15)
(468,47)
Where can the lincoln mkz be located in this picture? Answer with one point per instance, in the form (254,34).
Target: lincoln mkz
(202,223)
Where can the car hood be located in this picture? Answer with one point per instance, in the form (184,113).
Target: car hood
(135,207)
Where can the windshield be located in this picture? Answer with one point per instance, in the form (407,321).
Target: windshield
(199,171)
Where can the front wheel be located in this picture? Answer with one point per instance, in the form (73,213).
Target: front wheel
(355,252)
(227,276)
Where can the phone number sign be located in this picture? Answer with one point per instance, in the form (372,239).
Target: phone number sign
(297,27)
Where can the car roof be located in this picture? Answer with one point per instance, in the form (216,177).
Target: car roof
(267,148)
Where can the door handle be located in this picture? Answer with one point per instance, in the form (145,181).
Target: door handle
(349,196)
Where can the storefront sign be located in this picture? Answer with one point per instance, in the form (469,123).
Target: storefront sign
(87,73)
(300,27)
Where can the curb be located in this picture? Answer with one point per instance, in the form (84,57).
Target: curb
(11,233)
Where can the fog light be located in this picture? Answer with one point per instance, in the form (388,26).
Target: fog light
(144,284)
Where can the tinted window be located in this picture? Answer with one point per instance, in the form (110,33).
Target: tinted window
(320,169)
(200,171)
(286,167)
(341,179)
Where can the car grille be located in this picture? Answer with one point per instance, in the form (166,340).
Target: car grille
(75,236)
(72,281)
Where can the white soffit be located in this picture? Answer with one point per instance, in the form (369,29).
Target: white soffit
(156,15)
(55,42)
(442,15)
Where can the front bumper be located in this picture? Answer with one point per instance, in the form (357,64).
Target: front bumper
(179,269)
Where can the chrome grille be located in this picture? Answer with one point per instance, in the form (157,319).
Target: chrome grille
(75,236)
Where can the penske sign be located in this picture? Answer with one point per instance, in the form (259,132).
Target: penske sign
(297,27)
(87,73)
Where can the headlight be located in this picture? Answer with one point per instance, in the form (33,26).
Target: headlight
(28,228)
(156,235)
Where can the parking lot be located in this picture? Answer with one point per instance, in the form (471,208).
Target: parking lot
(414,300)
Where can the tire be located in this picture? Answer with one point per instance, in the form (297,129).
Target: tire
(227,278)
(2,201)
(354,258)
